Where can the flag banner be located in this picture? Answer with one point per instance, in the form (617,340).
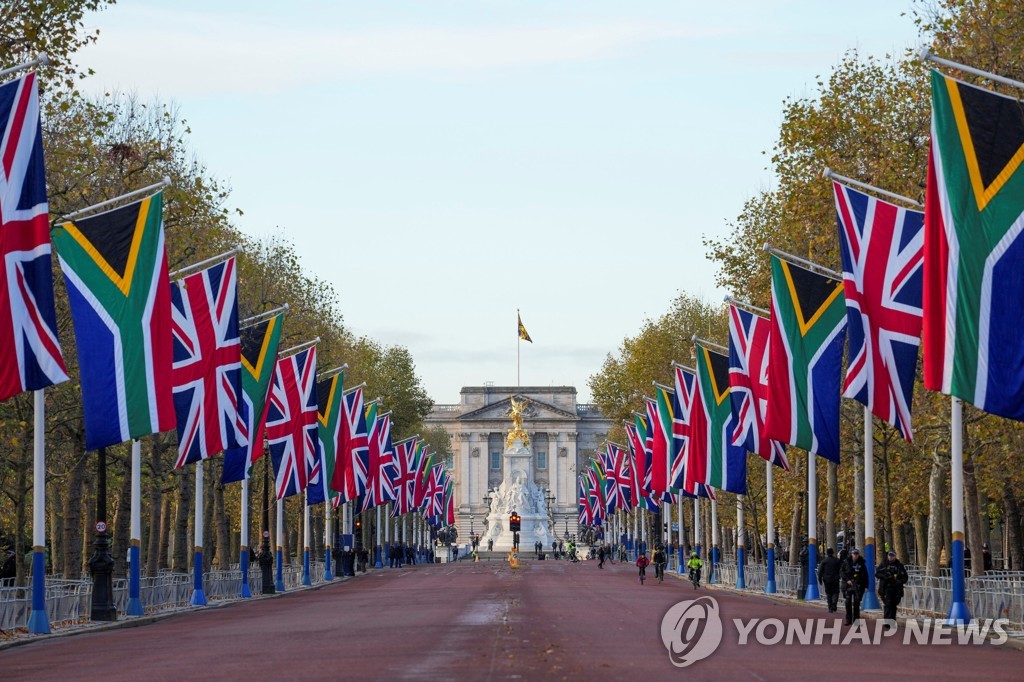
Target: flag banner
(260,344)
(379,486)
(723,464)
(521,330)
(207,363)
(292,422)
(404,480)
(422,476)
(635,452)
(882,247)
(595,494)
(449,502)
(115,266)
(329,398)
(973,254)
(659,416)
(805,348)
(586,517)
(28,319)
(434,494)
(353,457)
(682,407)
(748,385)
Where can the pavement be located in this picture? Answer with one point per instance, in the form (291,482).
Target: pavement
(481,621)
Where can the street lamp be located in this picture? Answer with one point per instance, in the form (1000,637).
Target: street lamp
(472,528)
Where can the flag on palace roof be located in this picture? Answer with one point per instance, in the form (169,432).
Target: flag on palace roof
(207,363)
(724,465)
(973,252)
(808,328)
(882,246)
(28,340)
(748,385)
(521,330)
(292,422)
(115,266)
(260,344)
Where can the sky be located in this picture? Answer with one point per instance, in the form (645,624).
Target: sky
(444,163)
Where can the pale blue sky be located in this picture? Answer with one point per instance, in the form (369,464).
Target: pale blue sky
(445,162)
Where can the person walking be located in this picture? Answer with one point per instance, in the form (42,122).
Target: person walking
(828,576)
(854,578)
(892,576)
(600,557)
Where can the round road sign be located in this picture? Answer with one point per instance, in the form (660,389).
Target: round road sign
(101,527)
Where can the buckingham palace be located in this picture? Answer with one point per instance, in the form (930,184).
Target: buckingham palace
(563,437)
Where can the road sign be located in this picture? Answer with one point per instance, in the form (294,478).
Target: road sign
(101,527)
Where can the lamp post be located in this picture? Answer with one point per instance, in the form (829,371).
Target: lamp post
(102,564)
(266,558)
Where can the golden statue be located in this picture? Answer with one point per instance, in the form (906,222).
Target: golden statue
(517,432)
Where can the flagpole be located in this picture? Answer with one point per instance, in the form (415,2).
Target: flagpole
(681,513)
(926,56)
(714,542)
(40,60)
(828,174)
(812,527)
(305,538)
(328,573)
(189,269)
(198,596)
(696,525)
(124,197)
(870,600)
(279,537)
(134,549)
(243,555)
(38,620)
(376,549)
(769,585)
(821,269)
(741,583)
(958,611)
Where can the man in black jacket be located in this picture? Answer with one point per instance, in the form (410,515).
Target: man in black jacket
(892,576)
(828,575)
(854,577)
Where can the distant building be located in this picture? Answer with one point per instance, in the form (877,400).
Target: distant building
(563,437)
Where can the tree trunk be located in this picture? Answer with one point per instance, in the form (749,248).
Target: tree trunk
(223,551)
(1014,550)
(899,541)
(166,514)
(935,513)
(180,557)
(88,502)
(209,532)
(833,501)
(156,503)
(56,529)
(22,486)
(890,525)
(973,515)
(122,524)
(920,538)
(71,541)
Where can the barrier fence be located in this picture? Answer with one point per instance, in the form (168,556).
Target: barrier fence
(997,594)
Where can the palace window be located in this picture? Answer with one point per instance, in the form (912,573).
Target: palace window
(542,459)
(540,449)
(495,459)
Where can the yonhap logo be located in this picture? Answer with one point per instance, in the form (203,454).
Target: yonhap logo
(691,630)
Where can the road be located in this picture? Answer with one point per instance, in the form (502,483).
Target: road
(484,621)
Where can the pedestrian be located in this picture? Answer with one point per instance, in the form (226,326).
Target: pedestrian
(986,556)
(854,577)
(490,544)
(828,575)
(892,576)
(600,557)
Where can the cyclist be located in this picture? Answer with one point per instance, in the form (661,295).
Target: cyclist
(642,563)
(694,564)
(659,559)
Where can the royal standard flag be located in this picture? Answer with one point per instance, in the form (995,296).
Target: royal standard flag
(973,255)
(115,265)
(521,329)
(260,344)
(808,328)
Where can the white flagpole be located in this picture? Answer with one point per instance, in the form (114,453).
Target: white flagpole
(198,596)
(134,550)
(714,541)
(812,527)
(958,611)
(279,536)
(680,512)
(124,197)
(328,573)
(38,621)
(40,60)
(741,583)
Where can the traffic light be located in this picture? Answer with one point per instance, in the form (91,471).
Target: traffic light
(514,522)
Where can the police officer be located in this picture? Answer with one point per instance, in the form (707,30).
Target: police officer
(892,576)
(854,579)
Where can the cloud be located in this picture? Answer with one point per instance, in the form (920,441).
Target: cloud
(204,53)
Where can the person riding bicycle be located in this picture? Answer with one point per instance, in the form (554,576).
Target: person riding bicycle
(642,563)
(572,552)
(659,560)
(694,564)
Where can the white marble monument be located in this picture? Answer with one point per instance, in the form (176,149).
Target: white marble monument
(518,493)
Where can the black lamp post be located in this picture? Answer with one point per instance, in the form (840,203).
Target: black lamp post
(101,565)
(266,558)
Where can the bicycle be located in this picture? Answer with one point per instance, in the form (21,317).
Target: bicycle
(659,572)
(695,577)
(642,575)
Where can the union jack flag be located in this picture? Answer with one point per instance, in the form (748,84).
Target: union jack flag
(422,475)
(28,321)
(380,471)
(617,495)
(292,422)
(682,402)
(882,246)
(404,480)
(352,468)
(586,516)
(748,385)
(207,363)
(434,494)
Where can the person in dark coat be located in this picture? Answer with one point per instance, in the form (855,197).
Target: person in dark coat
(854,579)
(986,556)
(828,576)
(892,576)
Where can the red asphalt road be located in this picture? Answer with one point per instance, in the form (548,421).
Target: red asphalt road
(550,620)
